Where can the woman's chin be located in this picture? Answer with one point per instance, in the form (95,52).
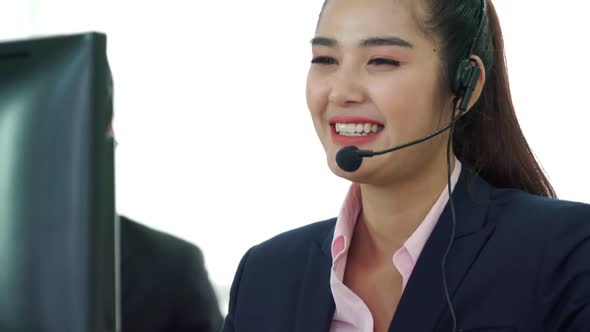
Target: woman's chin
(356,176)
(372,171)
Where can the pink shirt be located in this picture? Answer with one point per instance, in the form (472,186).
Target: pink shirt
(352,314)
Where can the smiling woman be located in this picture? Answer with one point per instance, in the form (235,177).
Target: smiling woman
(215,142)
(450,233)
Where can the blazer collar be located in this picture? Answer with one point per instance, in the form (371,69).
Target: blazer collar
(315,306)
(424,292)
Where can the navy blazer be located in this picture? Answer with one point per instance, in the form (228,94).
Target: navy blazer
(518,263)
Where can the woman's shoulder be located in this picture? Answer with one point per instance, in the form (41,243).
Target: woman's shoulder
(295,240)
(521,203)
(539,216)
(285,256)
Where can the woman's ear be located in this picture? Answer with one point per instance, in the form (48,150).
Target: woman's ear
(480,82)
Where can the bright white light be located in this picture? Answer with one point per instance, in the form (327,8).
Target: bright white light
(216,145)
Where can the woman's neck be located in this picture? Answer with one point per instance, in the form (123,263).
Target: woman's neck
(392,213)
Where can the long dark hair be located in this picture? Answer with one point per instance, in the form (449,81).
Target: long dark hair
(488,137)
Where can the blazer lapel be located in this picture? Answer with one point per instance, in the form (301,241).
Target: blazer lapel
(315,307)
(423,300)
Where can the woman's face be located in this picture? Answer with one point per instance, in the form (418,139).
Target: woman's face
(374,83)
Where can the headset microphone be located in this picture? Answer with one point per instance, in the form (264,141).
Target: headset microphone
(350,158)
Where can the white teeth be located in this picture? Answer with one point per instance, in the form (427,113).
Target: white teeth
(356,129)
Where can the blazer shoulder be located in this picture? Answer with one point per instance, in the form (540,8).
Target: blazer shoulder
(532,214)
(271,272)
(296,238)
(518,201)
(289,249)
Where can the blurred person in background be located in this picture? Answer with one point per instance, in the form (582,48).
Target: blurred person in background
(164,283)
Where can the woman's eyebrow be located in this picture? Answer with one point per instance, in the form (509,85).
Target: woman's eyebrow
(386,41)
(324,41)
(368,42)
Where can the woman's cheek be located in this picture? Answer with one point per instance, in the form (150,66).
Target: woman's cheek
(317,95)
(399,102)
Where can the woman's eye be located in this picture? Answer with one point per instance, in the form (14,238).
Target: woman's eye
(383,61)
(323,60)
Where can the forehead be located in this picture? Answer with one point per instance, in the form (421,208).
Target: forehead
(352,20)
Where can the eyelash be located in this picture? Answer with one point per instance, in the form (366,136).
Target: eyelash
(383,61)
(324,60)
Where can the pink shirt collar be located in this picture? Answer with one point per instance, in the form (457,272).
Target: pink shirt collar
(351,313)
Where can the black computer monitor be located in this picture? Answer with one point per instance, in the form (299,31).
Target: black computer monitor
(58,228)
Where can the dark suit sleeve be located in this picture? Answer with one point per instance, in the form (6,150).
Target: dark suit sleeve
(565,274)
(197,309)
(229,324)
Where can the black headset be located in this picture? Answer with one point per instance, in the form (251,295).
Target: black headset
(468,71)
(463,85)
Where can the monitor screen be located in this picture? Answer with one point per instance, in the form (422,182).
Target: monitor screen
(58,227)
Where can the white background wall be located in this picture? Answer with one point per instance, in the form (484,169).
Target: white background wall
(215,142)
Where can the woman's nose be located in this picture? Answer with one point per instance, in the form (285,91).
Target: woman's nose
(346,90)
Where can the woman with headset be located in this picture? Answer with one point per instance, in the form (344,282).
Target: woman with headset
(500,253)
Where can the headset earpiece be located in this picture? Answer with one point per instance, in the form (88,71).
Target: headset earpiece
(465,81)
(461,78)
